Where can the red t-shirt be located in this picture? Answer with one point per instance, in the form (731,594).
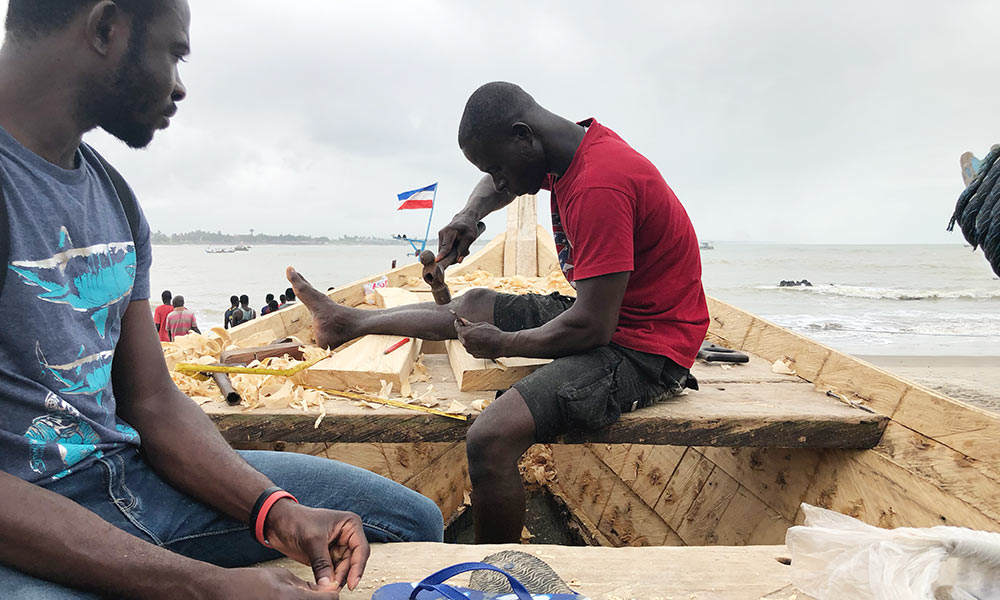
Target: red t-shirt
(613,212)
(160,318)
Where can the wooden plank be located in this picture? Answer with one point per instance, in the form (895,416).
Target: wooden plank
(520,245)
(445,481)
(584,479)
(488,258)
(683,487)
(548,260)
(727,324)
(478,374)
(966,429)
(861,382)
(647,469)
(953,472)
(655,573)
(527,246)
(628,521)
(748,521)
(364,364)
(757,370)
(871,487)
(736,416)
(700,524)
(786,416)
(779,477)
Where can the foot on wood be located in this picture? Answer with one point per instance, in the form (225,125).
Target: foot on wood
(332,323)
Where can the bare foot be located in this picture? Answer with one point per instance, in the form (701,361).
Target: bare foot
(332,323)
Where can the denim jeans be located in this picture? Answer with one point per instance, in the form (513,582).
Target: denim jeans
(124,490)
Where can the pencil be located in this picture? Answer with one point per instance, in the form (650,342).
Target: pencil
(397,345)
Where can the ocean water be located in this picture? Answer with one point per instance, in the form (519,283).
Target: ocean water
(939,300)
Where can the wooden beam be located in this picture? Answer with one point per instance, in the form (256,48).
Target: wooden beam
(364,364)
(789,416)
(548,260)
(520,247)
(697,573)
(475,374)
(489,258)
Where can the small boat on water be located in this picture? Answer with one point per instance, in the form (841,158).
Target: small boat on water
(242,248)
(214,250)
(706,246)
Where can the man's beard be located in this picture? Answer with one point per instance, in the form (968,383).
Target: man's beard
(119,108)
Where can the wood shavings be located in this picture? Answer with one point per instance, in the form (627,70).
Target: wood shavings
(386,390)
(480,405)
(420,371)
(518,284)
(456,407)
(783,366)
(405,391)
(537,466)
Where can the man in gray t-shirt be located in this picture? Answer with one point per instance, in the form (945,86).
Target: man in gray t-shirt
(112,481)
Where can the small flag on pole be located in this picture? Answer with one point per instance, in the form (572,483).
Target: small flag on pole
(422,198)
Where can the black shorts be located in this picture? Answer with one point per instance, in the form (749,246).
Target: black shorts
(590,390)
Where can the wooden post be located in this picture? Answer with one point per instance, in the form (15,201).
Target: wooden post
(520,256)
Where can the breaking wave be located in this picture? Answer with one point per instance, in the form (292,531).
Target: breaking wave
(881,293)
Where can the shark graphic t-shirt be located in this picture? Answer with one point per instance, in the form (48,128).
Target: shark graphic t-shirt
(73,268)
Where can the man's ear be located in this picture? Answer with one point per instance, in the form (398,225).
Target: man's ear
(106,27)
(522,131)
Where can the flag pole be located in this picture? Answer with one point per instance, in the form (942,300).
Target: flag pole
(428,232)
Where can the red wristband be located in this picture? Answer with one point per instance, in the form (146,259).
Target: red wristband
(265,507)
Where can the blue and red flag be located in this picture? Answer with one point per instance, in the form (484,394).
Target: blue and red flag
(422,198)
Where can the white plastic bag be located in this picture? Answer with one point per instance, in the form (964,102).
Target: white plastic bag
(836,557)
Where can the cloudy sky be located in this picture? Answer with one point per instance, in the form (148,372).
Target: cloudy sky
(773,120)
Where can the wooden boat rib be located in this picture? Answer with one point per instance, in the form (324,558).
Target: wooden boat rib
(898,454)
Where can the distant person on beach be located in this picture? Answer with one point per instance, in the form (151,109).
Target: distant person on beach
(283,301)
(227,318)
(113,482)
(246,313)
(289,296)
(272,306)
(267,304)
(160,315)
(626,244)
(180,321)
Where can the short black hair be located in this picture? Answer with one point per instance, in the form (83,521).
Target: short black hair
(244,299)
(35,18)
(283,299)
(178,301)
(268,297)
(234,300)
(491,109)
(290,294)
(166,296)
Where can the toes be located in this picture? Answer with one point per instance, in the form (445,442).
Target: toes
(309,295)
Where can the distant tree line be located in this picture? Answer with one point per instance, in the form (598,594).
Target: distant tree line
(225,239)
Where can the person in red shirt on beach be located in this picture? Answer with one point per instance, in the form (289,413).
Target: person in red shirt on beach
(625,243)
(160,315)
(180,321)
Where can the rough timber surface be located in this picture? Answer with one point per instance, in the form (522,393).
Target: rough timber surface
(717,573)
(726,414)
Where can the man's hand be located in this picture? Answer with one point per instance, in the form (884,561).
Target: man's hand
(456,237)
(266,584)
(482,340)
(332,542)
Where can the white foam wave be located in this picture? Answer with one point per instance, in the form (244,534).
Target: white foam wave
(881,293)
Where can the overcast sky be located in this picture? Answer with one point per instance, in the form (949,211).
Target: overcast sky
(772,121)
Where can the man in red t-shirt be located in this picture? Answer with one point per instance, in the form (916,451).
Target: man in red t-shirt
(160,315)
(625,243)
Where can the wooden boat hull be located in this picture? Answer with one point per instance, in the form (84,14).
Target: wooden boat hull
(937,463)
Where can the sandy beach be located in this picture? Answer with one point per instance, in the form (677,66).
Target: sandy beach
(973,379)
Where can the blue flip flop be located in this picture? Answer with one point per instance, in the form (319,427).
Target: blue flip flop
(433,587)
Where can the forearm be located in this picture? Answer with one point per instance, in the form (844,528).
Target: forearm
(485,199)
(563,336)
(186,449)
(48,536)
